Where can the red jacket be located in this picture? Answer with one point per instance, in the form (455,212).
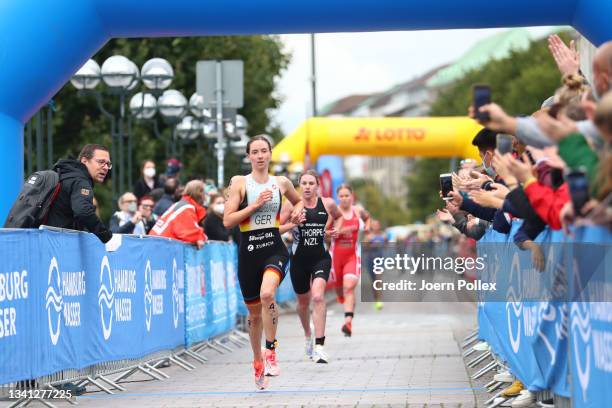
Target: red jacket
(181,222)
(547,202)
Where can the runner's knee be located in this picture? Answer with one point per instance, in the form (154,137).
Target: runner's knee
(318,298)
(267,296)
(303,301)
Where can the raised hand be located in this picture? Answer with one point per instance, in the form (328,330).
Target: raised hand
(566,58)
(445,216)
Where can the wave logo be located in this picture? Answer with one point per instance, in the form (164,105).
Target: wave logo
(515,303)
(175,294)
(54,301)
(148,295)
(106,297)
(581,334)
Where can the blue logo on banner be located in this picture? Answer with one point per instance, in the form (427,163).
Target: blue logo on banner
(54,301)
(581,332)
(106,298)
(148,296)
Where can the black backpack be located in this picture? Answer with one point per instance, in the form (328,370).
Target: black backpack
(38,194)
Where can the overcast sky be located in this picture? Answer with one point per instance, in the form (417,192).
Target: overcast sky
(352,63)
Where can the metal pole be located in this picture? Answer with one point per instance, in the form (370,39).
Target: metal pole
(453,164)
(121,147)
(313,78)
(173,140)
(220,139)
(130,152)
(30,147)
(113,157)
(39,142)
(50,135)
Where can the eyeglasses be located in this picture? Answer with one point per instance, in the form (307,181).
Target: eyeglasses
(146,206)
(102,163)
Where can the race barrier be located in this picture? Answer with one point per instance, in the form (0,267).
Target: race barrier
(554,329)
(71,310)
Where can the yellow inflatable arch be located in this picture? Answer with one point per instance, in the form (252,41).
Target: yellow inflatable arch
(424,137)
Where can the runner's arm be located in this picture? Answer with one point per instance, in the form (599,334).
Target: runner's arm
(293,196)
(231,215)
(332,208)
(285,215)
(365,217)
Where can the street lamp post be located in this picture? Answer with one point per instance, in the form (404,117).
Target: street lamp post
(172,105)
(120,75)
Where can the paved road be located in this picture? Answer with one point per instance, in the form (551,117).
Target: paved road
(405,355)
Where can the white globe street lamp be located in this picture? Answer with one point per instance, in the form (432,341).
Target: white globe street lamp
(172,105)
(241,125)
(118,72)
(136,78)
(143,106)
(157,74)
(87,77)
(188,128)
(196,105)
(239,146)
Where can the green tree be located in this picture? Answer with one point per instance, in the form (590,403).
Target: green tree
(519,83)
(387,210)
(77,119)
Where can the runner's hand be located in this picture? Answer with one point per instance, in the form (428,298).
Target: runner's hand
(332,233)
(263,198)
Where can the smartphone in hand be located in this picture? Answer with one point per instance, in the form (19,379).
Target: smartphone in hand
(482,96)
(446,185)
(504,143)
(578,184)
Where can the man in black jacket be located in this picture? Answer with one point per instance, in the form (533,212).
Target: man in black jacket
(73,208)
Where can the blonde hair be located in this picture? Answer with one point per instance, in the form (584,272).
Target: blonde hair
(312,173)
(573,87)
(195,190)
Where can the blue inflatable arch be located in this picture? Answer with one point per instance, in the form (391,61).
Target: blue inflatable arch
(43,42)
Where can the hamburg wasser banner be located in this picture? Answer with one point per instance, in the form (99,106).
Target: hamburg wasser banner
(67,303)
(555,325)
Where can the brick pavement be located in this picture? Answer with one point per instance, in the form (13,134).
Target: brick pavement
(405,355)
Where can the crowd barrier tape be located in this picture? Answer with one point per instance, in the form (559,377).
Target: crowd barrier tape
(67,304)
(565,344)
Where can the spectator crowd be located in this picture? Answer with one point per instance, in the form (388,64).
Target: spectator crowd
(557,174)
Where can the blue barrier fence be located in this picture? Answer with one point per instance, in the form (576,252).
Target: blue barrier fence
(67,303)
(563,345)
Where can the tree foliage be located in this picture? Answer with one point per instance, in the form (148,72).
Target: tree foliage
(387,210)
(519,83)
(77,119)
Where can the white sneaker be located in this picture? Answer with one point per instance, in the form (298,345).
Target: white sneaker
(504,376)
(319,355)
(525,399)
(482,346)
(500,399)
(308,346)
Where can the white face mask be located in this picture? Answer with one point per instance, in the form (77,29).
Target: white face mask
(218,208)
(149,172)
